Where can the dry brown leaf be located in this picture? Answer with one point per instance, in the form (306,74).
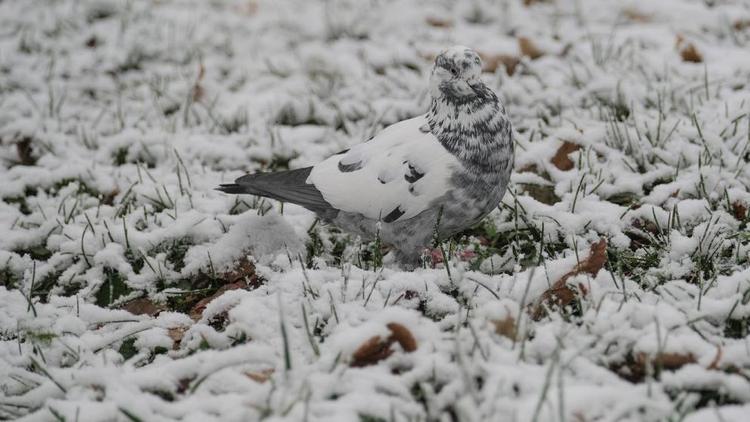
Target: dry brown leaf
(370,352)
(491,62)
(506,327)
(196,313)
(635,15)
(691,54)
(403,336)
(561,159)
(687,50)
(635,367)
(529,168)
(243,271)
(741,24)
(243,276)
(260,377)
(529,48)
(376,349)
(739,210)
(143,306)
(542,193)
(560,294)
(439,22)
(670,361)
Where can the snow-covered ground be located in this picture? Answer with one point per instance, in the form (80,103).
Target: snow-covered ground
(612,284)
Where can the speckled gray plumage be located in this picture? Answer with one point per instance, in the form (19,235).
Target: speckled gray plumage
(484,146)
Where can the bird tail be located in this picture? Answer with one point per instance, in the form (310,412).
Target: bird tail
(286,186)
(231,188)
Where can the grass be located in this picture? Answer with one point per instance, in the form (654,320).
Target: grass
(634,143)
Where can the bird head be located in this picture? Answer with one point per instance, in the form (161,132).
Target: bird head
(455,71)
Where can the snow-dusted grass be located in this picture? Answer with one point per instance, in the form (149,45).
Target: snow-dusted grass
(130,290)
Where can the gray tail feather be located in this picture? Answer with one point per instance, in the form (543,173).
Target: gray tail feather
(286,186)
(231,188)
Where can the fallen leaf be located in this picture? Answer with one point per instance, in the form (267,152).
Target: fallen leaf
(506,327)
(635,367)
(260,377)
(529,48)
(739,210)
(691,54)
(741,24)
(439,22)
(370,352)
(561,159)
(530,168)
(196,312)
(376,349)
(143,306)
(687,50)
(542,193)
(403,336)
(635,15)
(242,276)
(491,62)
(560,294)
(243,271)
(670,361)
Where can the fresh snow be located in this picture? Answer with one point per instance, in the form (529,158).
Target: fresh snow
(118,118)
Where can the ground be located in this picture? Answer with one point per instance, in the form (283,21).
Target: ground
(612,283)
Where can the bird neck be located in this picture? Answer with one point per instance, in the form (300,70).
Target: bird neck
(474,128)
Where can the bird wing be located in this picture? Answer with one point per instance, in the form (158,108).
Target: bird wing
(394,176)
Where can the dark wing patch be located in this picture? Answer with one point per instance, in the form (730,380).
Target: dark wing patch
(346,168)
(413,174)
(393,215)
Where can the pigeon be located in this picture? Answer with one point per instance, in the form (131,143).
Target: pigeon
(430,176)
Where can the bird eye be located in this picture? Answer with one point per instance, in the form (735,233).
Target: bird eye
(454,71)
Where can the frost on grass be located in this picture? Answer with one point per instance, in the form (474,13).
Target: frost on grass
(611,284)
